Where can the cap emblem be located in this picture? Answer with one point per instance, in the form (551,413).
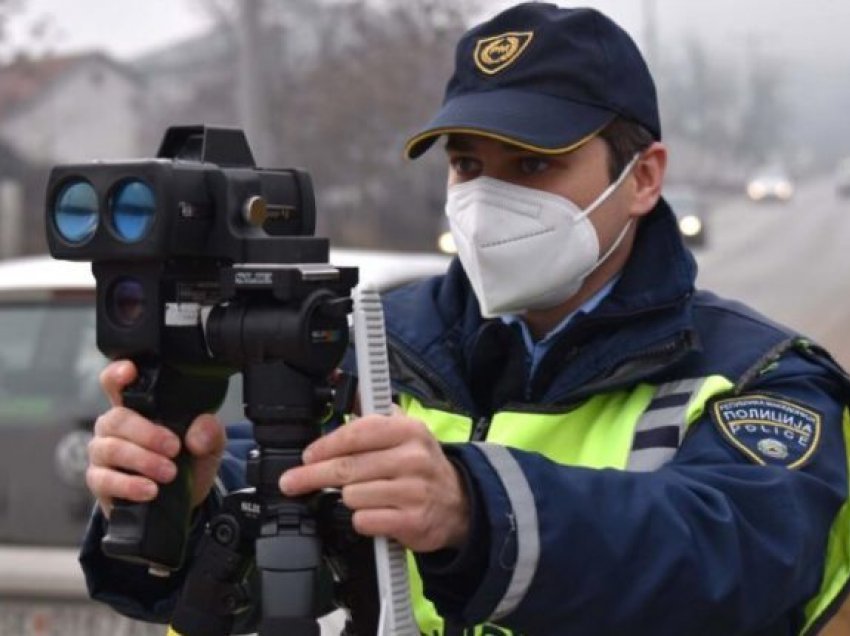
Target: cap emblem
(495,53)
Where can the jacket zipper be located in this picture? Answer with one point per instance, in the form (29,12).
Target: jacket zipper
(647,354)
(432,378)
(480,429)
(481,425)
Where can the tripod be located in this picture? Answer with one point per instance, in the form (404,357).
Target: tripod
(261,537)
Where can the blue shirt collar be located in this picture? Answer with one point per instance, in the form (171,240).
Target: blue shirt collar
(536,350)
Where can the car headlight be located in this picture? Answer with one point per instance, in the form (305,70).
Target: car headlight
(446,243)
(756,190)
(784,190)
(690,225)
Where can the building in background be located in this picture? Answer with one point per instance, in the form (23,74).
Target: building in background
(60,109)
(303,79)
(63,109)
(21,219)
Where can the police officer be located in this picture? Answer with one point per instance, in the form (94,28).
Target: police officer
(585,444)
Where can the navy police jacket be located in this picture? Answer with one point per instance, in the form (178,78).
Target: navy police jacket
(735,534)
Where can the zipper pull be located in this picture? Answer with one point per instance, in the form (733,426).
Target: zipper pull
(479,430)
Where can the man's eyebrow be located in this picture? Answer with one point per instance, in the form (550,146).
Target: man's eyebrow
(458,143)
(513,148)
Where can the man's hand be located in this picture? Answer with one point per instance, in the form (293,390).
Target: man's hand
(129,455)
(395,478)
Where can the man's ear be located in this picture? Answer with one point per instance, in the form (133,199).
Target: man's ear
(648,177)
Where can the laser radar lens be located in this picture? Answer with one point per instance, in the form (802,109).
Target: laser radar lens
(125,302)
(133,206)
(75,212)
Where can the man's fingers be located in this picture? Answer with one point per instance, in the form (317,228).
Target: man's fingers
(376,522)
(205,440)
(384,493)
(401,525)
(337,472)
(113,452)
(129,425)
(115,377)
(372,447)
(107,484)
(368,433)
(206,436)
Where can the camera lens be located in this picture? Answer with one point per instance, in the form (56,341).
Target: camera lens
(126,302)
(133,207)
(75,212)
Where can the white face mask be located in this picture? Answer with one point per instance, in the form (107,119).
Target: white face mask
(523,248)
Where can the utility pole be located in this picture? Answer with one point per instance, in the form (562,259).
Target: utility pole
(253,98)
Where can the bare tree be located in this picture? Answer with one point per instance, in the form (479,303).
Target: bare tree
(381,77)
(346,82)
(720,119)
(21,183)
(39,30)
(761,133)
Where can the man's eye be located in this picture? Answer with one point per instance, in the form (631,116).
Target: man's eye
(465,165)
(533,165)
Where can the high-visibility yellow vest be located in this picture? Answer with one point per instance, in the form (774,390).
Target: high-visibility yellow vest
(601,433)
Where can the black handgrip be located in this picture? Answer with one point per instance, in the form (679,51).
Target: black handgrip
(155,532)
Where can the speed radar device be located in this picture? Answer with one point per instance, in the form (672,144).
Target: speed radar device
(159,231)
(207,265)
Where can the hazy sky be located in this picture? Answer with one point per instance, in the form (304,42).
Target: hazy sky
(806,28)
(124,28)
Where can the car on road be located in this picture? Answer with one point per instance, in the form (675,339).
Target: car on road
(690,208)
(49,399)
(770,183)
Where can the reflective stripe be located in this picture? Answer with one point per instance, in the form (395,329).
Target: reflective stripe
(596,434)
(659,431)
(836,575)
(687,386)
(600,433)
(648,459)
(521,499)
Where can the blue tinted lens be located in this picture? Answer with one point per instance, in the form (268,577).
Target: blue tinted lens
(75,212)
(133,208)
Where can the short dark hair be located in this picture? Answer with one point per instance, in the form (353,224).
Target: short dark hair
(624,138)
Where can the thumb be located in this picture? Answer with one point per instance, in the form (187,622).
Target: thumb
(115,377)
(205,441)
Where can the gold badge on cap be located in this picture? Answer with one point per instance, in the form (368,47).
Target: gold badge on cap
(495,53)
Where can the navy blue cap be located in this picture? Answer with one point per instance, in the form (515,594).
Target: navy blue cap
(543,77)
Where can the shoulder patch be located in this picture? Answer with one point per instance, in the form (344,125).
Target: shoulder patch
(768,430)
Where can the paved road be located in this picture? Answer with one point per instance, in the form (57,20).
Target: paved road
(789,260)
